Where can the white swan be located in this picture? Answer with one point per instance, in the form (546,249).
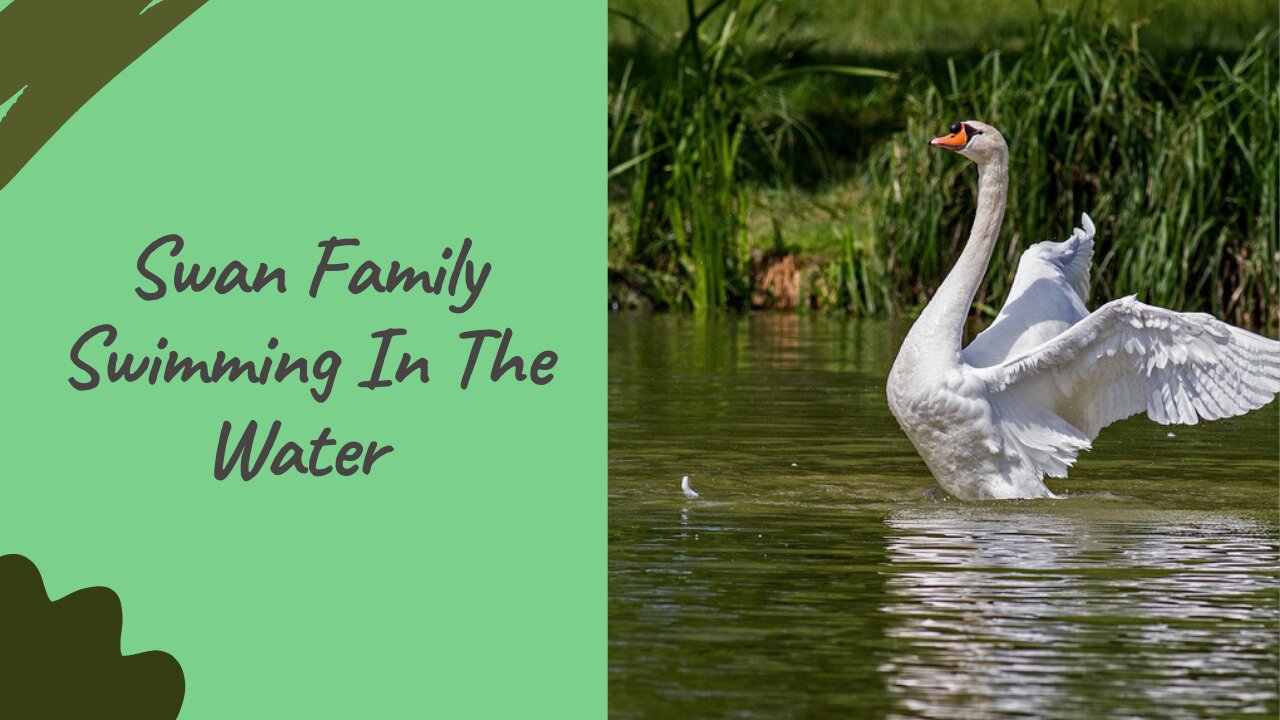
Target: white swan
(1033,390)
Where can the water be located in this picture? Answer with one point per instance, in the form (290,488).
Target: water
(816,577)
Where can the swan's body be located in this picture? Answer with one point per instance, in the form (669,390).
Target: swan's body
(1033,390)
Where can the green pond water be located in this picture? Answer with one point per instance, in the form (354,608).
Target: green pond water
(817,577)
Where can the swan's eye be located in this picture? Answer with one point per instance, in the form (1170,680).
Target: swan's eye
(955,127)
(971,130)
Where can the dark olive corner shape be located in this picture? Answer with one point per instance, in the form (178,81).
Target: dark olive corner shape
(61,659)
(60,53)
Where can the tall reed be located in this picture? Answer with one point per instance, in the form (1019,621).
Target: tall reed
(683,140)
(1181,178)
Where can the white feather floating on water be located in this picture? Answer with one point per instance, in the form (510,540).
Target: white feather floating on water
(688,491)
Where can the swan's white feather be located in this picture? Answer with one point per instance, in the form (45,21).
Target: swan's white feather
(1075,256)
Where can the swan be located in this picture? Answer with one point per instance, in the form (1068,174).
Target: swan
(1033,390)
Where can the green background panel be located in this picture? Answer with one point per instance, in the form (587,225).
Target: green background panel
(465,577)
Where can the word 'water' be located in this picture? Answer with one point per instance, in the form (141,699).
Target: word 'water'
(351,458)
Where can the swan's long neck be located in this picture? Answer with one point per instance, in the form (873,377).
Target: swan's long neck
(940,328)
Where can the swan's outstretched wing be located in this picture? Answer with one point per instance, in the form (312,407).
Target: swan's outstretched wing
(1128,357)
(1047,296)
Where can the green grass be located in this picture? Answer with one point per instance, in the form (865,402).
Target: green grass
(1182,186)
(685,137)
(1173,155)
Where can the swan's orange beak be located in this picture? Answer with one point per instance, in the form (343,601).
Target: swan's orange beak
(954,141)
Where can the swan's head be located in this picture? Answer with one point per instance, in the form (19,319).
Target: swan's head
(975,140)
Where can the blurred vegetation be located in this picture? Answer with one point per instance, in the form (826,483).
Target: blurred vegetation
(913,27)
(1160,125)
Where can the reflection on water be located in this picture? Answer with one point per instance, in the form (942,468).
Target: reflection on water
(815,578)
(1018,614)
